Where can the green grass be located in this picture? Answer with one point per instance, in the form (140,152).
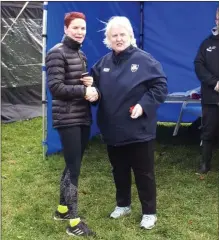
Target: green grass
(187,205)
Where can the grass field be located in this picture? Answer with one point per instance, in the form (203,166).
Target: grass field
(187,203)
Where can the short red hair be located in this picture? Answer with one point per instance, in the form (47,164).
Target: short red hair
(71,16)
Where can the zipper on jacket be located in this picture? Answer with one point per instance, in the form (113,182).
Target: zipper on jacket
(83,63)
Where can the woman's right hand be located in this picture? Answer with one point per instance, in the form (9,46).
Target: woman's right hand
(87,81)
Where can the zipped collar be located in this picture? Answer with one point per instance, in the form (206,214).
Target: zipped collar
(215,31)
(118,58)
(69,42)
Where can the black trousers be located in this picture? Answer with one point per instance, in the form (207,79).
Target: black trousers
(140,158)
(74,141)
(210,130)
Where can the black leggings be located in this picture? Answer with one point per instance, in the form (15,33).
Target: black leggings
(210,130)
(74,141)
(140,158)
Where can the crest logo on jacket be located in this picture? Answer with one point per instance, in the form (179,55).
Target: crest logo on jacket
(209,49)
(106,69)
(134,67)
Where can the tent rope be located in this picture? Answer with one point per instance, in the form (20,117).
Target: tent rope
(14,21)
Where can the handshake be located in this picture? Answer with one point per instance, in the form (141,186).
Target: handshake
(217,87)
(91,93)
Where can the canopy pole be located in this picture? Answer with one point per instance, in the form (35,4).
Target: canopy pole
(44,101)
(141,41)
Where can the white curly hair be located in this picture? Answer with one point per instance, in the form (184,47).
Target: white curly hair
(118,21)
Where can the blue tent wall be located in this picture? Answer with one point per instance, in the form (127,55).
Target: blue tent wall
(92,46)
(173,32)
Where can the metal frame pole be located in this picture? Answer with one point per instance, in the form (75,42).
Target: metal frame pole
(44,101)
(141,41)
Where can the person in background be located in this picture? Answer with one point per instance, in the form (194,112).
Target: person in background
(132,85)
(71,112)
(207,70)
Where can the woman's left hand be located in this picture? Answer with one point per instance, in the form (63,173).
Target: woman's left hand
(137,111)
(91,94)
(217,87)
(87,81)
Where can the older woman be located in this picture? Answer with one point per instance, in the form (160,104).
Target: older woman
(71,112)
(132,85)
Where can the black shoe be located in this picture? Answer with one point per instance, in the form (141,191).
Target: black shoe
(203,169)
(81,229)
(61,216)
